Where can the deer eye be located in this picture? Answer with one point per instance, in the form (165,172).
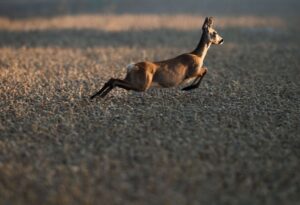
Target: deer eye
(214,33)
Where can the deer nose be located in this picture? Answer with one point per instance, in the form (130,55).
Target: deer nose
(221,41)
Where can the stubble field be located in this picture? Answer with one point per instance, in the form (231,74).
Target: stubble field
(235,140)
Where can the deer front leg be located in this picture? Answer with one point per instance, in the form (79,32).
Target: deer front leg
(197,81)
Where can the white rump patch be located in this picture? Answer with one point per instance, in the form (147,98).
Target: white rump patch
(130,67)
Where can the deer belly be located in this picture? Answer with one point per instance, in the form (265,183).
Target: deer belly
(166,81)
(164,84)
(155,84)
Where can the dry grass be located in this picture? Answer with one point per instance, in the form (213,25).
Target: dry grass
(235,140)
(127,22)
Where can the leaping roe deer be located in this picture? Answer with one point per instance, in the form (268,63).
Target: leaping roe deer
(168,73)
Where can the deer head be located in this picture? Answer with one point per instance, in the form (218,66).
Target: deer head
(211,34)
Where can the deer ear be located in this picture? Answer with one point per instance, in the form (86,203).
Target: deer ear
(205,23)
(208,22)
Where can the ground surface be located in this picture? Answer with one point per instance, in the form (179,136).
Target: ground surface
(235,140)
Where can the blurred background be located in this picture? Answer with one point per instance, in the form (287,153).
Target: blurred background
(47,8)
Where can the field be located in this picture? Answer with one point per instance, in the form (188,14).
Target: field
(234,140)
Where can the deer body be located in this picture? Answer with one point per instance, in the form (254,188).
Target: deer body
(168,73)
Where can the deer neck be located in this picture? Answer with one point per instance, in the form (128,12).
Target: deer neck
(202,47)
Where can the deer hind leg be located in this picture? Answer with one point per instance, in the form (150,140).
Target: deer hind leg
(198,80)
(105,87)
(111,84)
(118,83)
(137,81)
